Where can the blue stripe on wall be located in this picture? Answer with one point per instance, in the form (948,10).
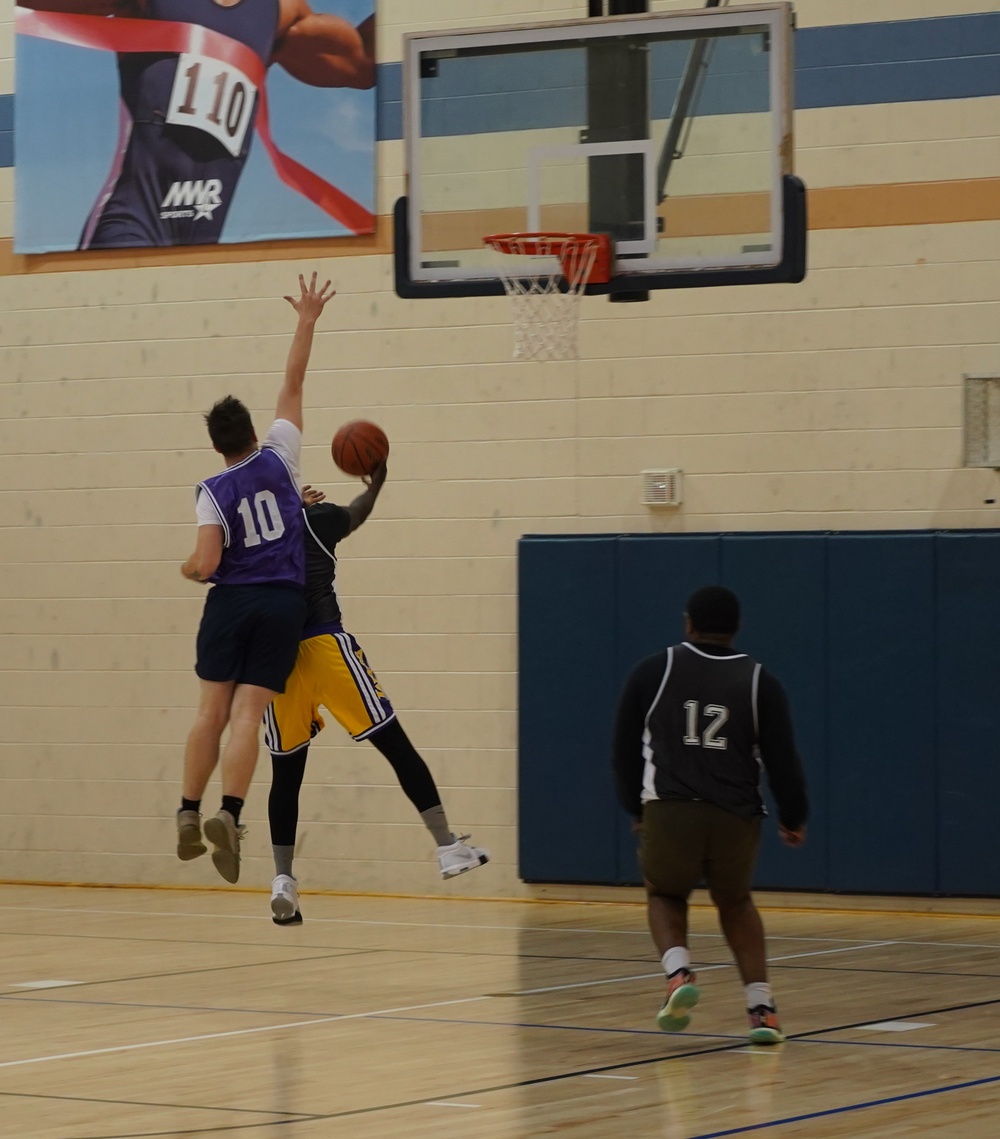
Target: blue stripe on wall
(897,41)
(899,61)
(389,109)
(6,130)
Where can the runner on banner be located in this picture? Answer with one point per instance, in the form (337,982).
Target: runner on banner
(192,83)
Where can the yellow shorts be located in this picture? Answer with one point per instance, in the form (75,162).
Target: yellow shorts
(331,670)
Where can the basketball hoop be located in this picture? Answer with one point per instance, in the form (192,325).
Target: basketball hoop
(547,306)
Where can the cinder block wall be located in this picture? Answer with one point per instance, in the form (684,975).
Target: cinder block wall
(832,404)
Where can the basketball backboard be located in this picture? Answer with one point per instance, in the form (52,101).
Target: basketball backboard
(672,133)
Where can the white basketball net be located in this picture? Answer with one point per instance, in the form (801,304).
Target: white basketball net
(547,307)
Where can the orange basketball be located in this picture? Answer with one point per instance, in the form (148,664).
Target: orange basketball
(359,447)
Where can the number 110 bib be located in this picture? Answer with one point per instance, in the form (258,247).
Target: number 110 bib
(214,97)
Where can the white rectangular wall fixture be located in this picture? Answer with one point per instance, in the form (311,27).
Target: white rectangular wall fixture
(981,421)
(662,487)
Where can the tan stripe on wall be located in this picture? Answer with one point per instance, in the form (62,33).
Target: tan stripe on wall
(831,207)
(905,203)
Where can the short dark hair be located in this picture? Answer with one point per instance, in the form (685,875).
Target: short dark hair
(230,427)
(714,609)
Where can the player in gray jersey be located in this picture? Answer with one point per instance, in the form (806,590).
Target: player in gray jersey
(695,723)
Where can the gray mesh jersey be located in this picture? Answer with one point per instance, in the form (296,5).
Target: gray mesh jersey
(701,732)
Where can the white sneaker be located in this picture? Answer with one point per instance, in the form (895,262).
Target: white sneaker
(285,901)
(458,858)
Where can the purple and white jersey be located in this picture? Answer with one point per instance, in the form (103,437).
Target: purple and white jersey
(259,506)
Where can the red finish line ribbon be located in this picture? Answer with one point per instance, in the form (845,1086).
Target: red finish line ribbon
(123,35)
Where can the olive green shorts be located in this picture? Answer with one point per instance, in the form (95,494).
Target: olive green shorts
(683,842)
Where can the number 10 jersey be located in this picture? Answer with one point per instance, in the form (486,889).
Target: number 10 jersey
(259,506)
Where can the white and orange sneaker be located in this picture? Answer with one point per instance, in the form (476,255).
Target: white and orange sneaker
(682,994)
(764,1026)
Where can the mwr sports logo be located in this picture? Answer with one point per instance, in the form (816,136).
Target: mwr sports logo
(204,196)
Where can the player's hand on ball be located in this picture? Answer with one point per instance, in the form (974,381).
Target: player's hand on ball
(310,302)
(310,496)
(377,477)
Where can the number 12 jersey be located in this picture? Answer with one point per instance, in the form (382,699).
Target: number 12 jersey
(697,722)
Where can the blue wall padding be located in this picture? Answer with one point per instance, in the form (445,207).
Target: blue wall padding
(567,633)
(968,708)
(783,594)
(887,643)
(881,794)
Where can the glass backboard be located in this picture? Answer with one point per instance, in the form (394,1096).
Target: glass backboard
(672,133)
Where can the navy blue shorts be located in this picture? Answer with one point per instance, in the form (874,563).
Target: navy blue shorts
(250,634)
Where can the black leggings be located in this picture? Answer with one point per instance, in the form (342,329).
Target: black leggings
(287,771)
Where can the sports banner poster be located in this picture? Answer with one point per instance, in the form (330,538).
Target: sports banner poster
(141,123)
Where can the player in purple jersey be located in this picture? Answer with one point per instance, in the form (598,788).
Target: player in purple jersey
(251,549)
(184,148)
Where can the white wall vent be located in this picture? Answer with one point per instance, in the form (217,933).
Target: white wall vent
(662,487)
(981,435)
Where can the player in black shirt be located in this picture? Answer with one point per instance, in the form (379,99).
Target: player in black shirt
(694,726)
(331,669)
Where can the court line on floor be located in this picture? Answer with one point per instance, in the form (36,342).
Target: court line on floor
(330,1019)
(892,972)
(30,999)
(897,1016)
(804,1038)
(513,928)
(330,956)
(293,1116)
(234,1032)
(329,921)
(848,1107)
(344,951)
(700,968)
(537,1080)
(895,1044)
(739,1044)
(657,1032)
(847,942)
(38,998)
(923,1093)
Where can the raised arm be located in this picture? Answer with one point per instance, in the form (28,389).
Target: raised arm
(361,507)
(324,50)
(309,304)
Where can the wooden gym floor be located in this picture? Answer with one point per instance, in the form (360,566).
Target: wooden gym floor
(167,1013)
